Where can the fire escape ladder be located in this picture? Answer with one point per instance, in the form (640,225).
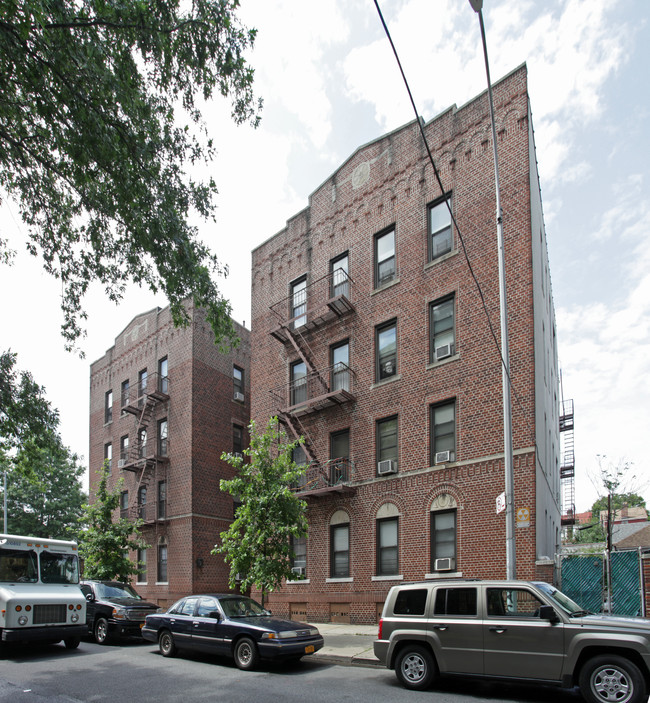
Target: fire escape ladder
(301,346)
(567,468)
(298,431)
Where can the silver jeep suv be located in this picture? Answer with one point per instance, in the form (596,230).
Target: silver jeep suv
(517,630)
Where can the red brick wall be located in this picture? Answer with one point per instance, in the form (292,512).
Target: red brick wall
(200,413)
(345,214)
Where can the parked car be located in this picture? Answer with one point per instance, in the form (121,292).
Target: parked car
(114,609)
(230,625)
(516,630)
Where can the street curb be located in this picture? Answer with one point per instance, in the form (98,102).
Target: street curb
(348,661)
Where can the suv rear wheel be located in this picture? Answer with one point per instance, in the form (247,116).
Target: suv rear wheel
(611,679)
(415,668)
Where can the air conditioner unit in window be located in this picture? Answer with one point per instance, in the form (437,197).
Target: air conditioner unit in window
(387,466)
(446,564)
(239,396)
(300,570)
(121,463)
(443,352)
(442,457)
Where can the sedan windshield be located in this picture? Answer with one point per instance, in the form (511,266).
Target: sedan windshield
(241,607)
(562,601)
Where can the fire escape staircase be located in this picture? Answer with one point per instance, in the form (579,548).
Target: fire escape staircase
(567,468)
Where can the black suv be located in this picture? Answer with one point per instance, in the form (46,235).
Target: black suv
(114,609)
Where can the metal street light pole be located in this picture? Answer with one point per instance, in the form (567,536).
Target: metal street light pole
(511,565)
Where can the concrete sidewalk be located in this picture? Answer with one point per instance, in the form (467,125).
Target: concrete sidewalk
(347,644)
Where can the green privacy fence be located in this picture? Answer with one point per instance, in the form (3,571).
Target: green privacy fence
(584,579)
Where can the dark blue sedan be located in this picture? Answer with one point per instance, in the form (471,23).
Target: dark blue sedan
(230,625)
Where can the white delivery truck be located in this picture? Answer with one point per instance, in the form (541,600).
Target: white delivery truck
(40,598)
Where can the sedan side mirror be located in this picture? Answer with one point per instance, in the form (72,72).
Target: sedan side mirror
(547,612)
(214,614)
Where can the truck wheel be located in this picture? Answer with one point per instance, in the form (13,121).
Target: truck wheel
(611,679)
(246,655)
(415,668)
(100,631)
(72,642)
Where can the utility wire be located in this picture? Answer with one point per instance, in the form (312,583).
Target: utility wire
(420,122)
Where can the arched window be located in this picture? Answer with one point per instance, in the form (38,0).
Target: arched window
(388,540)
(444,511)
(340,545)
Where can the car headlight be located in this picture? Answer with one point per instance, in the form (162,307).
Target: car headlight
(74,617)
(22,620)
(314,632)
(119,613)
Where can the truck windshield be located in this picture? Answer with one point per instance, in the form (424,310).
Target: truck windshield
(560,599)
(18,565)
(59,568)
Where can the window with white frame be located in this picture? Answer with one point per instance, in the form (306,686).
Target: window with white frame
(442,331)
(386,350)
(443,432)
(440,232)
(385,263)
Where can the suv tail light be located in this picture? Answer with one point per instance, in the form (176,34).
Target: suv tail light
(381,625)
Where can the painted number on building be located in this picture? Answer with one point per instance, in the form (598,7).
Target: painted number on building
(523,517)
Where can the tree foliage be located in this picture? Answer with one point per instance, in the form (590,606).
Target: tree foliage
(105,542)
(100,115)
(45,496)
(258,544)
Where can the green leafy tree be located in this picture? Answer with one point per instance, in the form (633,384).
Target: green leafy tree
(100,115)
(258,544)
(45,496)
(105,542)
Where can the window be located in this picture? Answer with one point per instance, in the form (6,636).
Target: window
(443,432)
(207,608)
(141,576)
(456,601)
(339,456)
(142,386)
(108,407)
(440,240)
(387,552)
(512,602)
(162,500)
(124,447)
(299,459)
(299,555)
(237,439)
(385,269)
(238,383)
(142,443)
(443,540)
(163,381)
(298,383)
(340,358)
(162,562)
(340,551)
(340,279)
(124,504)
(386,350)
(142,502)
(410,601)
(108,456)
(124,398)
(162,437)
(299,302)
(387,442)
(442,332)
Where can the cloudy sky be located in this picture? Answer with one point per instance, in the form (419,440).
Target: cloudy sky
(330,84)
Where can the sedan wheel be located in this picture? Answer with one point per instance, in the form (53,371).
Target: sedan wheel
(611,679)
(166,644)
(101,631)
(246,655)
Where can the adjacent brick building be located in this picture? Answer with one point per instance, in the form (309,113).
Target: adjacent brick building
(164,404)
(370,340)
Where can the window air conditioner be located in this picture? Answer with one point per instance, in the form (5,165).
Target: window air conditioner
(300,570)
(387,466)
(442,457)
(446,564)
(121,463)
(443,352)
(239,396)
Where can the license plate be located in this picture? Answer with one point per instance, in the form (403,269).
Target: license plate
(309,649)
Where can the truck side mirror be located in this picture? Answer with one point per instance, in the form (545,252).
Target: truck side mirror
(547,612)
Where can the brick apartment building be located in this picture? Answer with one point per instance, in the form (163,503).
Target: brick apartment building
(164,405)
(371,341)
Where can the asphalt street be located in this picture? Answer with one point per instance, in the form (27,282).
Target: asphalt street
(137,673)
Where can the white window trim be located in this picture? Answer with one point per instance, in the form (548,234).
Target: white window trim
(297,583)
(444,575)
(162,583)
(388,578)
(347,579)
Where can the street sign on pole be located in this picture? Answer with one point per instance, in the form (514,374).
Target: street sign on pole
(501,502)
